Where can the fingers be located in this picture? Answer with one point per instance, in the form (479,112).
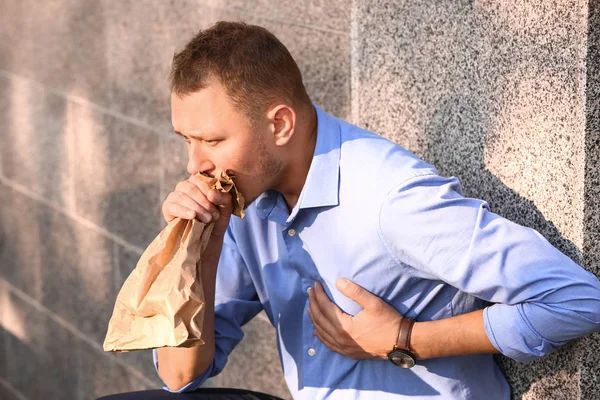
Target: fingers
(323,326)
(197,194)
(357,293)
(329,308)
(324,313)
(194,198)
(179,204)
(320,320)
(328,341)
(222,200)
(332,325)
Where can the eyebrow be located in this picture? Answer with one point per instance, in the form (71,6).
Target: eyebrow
(191,135)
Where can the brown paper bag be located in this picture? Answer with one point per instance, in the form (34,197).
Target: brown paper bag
(162,301)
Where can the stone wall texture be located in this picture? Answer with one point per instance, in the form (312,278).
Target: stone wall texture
(504,95)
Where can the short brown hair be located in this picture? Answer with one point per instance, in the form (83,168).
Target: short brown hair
(252,65)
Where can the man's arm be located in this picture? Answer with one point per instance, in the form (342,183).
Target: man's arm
(372,332)
(178,366)
(230,296)
(194,198)
(544,298)
(235,303)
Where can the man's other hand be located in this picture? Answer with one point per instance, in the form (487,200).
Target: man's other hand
(369,334)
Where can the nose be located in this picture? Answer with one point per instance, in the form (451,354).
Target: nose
(198,161)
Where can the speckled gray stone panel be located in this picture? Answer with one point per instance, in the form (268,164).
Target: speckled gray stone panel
(105,52)
(42,358)
(476,92)
(4,320)
(323,57)
(590,376)
(592,144)
(78,275)
(61,44)
(59,263)
(21,239)
(333,15)
(490,92)
(173,162)
(5,394)
(117,177)
(35,140)
(99,374)
(124,263)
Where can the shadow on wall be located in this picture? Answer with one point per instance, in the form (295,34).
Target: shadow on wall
(446,150)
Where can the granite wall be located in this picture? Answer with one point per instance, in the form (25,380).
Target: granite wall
(504,95)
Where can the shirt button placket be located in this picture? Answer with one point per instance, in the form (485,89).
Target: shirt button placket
(308,336)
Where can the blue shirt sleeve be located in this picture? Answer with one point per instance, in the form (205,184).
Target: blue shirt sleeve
(236,303)
(544,298)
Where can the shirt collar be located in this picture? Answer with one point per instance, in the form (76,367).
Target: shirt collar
(321,188)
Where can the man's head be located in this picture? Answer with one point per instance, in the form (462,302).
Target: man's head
(236,93)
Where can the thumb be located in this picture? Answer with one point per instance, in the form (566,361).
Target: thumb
(357,293)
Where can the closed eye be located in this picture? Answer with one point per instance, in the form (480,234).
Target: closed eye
(185,138)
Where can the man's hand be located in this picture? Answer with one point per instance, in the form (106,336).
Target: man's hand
(369,334)
(193,198)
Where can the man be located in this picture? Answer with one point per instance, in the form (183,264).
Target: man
(348,239)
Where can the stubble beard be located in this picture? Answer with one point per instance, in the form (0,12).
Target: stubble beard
(269,167)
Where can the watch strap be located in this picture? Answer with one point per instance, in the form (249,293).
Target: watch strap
(404,331)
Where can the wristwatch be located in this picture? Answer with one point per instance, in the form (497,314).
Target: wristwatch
(401,356)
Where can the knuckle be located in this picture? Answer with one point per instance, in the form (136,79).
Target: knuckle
(357,291)
(377,307)
(178,197)
(198,183)
(170,197)
(193,191)
(180,185)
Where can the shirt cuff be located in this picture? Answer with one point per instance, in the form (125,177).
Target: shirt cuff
(509,332)
(193,385)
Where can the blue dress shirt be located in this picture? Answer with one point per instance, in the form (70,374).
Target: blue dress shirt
(374,213)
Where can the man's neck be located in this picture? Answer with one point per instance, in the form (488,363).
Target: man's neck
(300,160)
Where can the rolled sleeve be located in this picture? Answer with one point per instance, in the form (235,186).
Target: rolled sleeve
(236,303)
(543,298)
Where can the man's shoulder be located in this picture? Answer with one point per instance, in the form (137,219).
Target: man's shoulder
(367,156)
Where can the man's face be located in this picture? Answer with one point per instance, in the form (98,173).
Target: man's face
(219,136)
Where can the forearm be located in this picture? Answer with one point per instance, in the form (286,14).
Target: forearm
(178,366)
(460,335)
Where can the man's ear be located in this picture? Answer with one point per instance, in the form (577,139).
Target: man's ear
(282,119)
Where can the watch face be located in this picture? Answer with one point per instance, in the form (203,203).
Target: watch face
(402,358)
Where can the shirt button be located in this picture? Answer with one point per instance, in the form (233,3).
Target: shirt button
(292,232)
(312,352)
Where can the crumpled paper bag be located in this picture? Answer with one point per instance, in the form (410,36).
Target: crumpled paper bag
(162,301)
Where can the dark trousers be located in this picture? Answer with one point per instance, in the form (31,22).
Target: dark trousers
(202,393)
